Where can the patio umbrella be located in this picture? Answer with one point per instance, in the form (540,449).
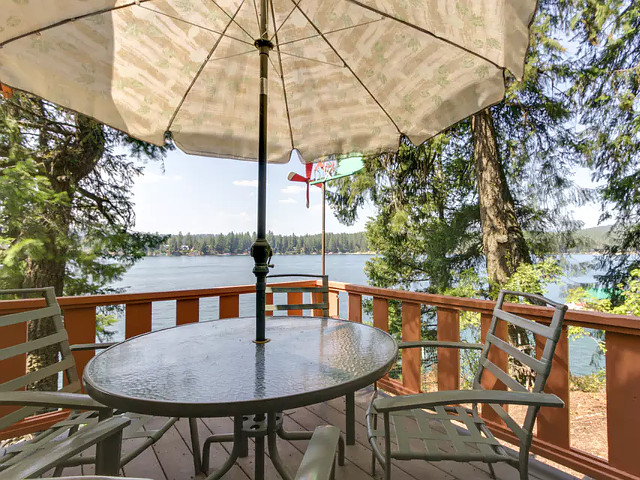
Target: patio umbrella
(348,75)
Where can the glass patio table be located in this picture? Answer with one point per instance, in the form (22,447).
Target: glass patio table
(214,369)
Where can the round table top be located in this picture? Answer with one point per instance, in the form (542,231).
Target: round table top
(211,369)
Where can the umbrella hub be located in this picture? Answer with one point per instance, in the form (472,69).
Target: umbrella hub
(263,43)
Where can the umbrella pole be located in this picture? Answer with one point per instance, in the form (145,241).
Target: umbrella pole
(261,250)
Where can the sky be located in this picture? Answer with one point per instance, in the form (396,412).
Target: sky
(210,195)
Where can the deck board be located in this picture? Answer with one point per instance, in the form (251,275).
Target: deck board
(170,458)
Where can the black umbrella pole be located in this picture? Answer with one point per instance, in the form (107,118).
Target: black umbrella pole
(261,251)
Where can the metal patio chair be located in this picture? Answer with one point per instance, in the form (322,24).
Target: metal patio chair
(433,426)
(85,410)
(322,306)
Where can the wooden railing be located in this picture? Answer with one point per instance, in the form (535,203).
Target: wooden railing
(552,439)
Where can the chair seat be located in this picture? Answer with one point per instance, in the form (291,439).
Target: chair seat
(441,433)
(137,429)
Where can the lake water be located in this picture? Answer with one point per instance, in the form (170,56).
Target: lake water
(153,274)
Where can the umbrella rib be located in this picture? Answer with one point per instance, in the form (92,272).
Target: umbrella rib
(73,19)
(312,59)
(284,88)
(355,75)
(276,28)
(173,17)
(425,31)
(333,31)
(197,75)
(233,19)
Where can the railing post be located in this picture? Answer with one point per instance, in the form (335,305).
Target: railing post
(448,358)
(80,324)
(334,304)
(16,366)
(269,301)
(137,319)
(623,401)
(554,423)
(381,313)
(316,297)
(411,357)
(498,358)
(355,308)
(229,306)
(295,298)
(187,311)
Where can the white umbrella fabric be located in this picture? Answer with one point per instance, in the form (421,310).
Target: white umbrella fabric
(346,75)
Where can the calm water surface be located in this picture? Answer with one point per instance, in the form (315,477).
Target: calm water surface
(156,274)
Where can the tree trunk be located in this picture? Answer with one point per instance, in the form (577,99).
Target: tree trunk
(47,271)
(502,238)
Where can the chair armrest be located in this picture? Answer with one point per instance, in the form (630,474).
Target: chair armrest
(454,397)
(79,347)
(74,401)
(40,462)
(432,343)
(318,460)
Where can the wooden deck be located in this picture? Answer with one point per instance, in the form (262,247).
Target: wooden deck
(170,458)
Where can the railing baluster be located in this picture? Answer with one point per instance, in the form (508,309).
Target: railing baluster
(623,401)
(137,319)
(295,298)
(355,307)
(334,304)
(269,301)
(448,358)
(80,324)
(316,297)
(500,359)
(411,357)
(229,306)
(187,311)
(13,367)
(381,313)
(554,423)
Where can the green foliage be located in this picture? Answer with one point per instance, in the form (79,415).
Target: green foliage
(607,38)
(592,383)
(66,217)
(240,243)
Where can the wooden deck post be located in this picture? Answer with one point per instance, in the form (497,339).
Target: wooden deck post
(80,324)
(448,358)
(334,304)
(623,401)
(412,357)
(381,313)
(187,311)
(15,366)
(554,423)
(137,319)
(295,298)
(355,307)
(229,306)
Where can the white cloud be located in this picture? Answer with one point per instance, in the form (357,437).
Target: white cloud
(288,200)
(246,183)
(292,189)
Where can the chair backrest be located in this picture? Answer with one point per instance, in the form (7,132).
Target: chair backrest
(524,357)
(319,294)
(55,338)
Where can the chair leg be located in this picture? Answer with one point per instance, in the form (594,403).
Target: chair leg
(373,455)
(523,464)
(492,471)
(350,417)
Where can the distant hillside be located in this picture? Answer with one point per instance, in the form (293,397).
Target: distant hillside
(591,239)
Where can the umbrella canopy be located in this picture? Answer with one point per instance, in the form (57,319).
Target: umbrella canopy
(346,75)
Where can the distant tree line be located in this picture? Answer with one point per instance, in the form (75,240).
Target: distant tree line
(240,243)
